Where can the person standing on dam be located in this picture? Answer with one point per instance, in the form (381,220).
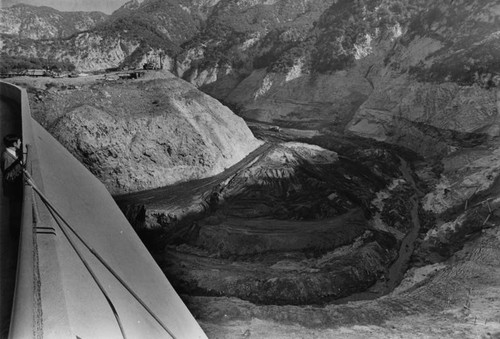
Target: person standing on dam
(11,165)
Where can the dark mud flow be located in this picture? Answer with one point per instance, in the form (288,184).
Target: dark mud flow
(290,225)
(399,267)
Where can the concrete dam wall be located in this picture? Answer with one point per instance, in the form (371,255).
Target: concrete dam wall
(82,271)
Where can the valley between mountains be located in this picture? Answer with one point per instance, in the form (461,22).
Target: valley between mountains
(298,169)
(302,233)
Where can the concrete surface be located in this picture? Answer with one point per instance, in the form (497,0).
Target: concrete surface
(102,283)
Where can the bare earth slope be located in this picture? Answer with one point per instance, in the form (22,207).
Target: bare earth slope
(141,134)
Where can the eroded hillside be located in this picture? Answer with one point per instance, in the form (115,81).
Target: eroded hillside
(141,134)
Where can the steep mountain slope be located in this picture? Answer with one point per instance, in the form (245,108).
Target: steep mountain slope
(355,50)
(440,76)
(31,22)
(218,43)
(133,35)
(243,36)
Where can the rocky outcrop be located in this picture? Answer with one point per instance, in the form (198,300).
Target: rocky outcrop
(87,51)
(144,134)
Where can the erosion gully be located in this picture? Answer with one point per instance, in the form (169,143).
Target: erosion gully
(399,267)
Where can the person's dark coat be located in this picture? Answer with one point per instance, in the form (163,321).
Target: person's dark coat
(12,175)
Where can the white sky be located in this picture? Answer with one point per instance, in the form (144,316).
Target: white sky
(106,6)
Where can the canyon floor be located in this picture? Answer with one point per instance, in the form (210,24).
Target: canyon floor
(234,263)
(458,298)
(321,235)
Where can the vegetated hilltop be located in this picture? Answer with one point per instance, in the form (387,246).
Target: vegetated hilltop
(32,22)
(127,38)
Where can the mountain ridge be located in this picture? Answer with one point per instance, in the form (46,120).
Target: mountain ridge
(43,22)
(304,64)
(106,7)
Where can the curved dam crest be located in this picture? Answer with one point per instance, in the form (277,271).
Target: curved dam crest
(96,279)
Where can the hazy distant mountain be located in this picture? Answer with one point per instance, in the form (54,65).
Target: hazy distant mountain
(107,6)
(8,3)
(32,22)
(128,37)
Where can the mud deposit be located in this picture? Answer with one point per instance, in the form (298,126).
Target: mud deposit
(315,236)
(318,235)
(295,224)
